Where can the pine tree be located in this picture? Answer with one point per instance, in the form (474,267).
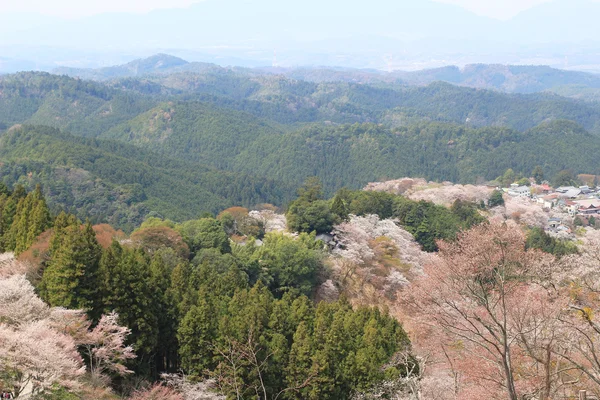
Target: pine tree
(538,174)
(62,221)
(31,218)
(340,204)
(300,365)
(196,333)
(127,290)
(71,278)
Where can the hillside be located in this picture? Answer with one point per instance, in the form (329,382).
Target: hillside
(505,78)
(353,155)
(157,64)
(195,142)
(119,183)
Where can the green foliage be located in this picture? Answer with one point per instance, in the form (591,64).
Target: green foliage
(126,288)
(310,217)
(564,178)
(204,233)
(31,217)
(322,353)
(118,183)
(538,174)
(309,213)
(71,279)
(523,182)
(289,264)
(429,222)
(508,178)
(538,239)
(592,222)
(496,199)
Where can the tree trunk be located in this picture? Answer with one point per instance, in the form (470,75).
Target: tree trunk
(510,381)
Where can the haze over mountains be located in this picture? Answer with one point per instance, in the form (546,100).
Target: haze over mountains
(506,78)
(405,34)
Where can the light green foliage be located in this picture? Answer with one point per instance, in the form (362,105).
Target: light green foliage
(153,222)
(287,263)
(205,233)
(523,182)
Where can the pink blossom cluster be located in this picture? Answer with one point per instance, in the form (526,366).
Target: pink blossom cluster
(522,211)
(272,221)
(39,344)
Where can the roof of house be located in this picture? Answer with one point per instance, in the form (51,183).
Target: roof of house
(572,193)
(520,189)
(588,203)
(552,196)
(564,189)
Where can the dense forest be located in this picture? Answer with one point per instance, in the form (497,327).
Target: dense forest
(200,232)
(189,140)
(191,300)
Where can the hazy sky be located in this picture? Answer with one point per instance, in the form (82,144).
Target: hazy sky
(501,9)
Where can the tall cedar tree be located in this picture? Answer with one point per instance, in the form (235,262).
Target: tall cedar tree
(31,218)
(71,279)
(127,289)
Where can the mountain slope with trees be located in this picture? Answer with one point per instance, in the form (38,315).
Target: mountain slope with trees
(87,176)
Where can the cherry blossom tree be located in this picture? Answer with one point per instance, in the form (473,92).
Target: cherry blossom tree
(105,347)
(39,345)
(581,277)
(157,392)
(484,293)
(204,390)
(19,303)
(34,357)
(377,255)
(272,221)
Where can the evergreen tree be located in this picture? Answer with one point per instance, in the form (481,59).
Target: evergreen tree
(300,365)
(127,290)
(31,218)
(496,199)
(196,334)
(339,207)
(538,174)
(71,279)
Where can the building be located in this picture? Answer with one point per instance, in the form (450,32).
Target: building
(519,191)
(588,206)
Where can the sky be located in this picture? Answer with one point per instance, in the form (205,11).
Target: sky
(500,9)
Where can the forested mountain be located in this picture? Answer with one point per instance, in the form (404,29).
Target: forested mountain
(505,78)
(160,63)
(90,109)
(183,143)
(120,183)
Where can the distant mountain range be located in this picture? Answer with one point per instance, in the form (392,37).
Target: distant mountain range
(505,78)
(175,138)
(405,33)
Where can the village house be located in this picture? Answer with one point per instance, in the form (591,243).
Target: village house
(519,191)
(548,201)
(588,206)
